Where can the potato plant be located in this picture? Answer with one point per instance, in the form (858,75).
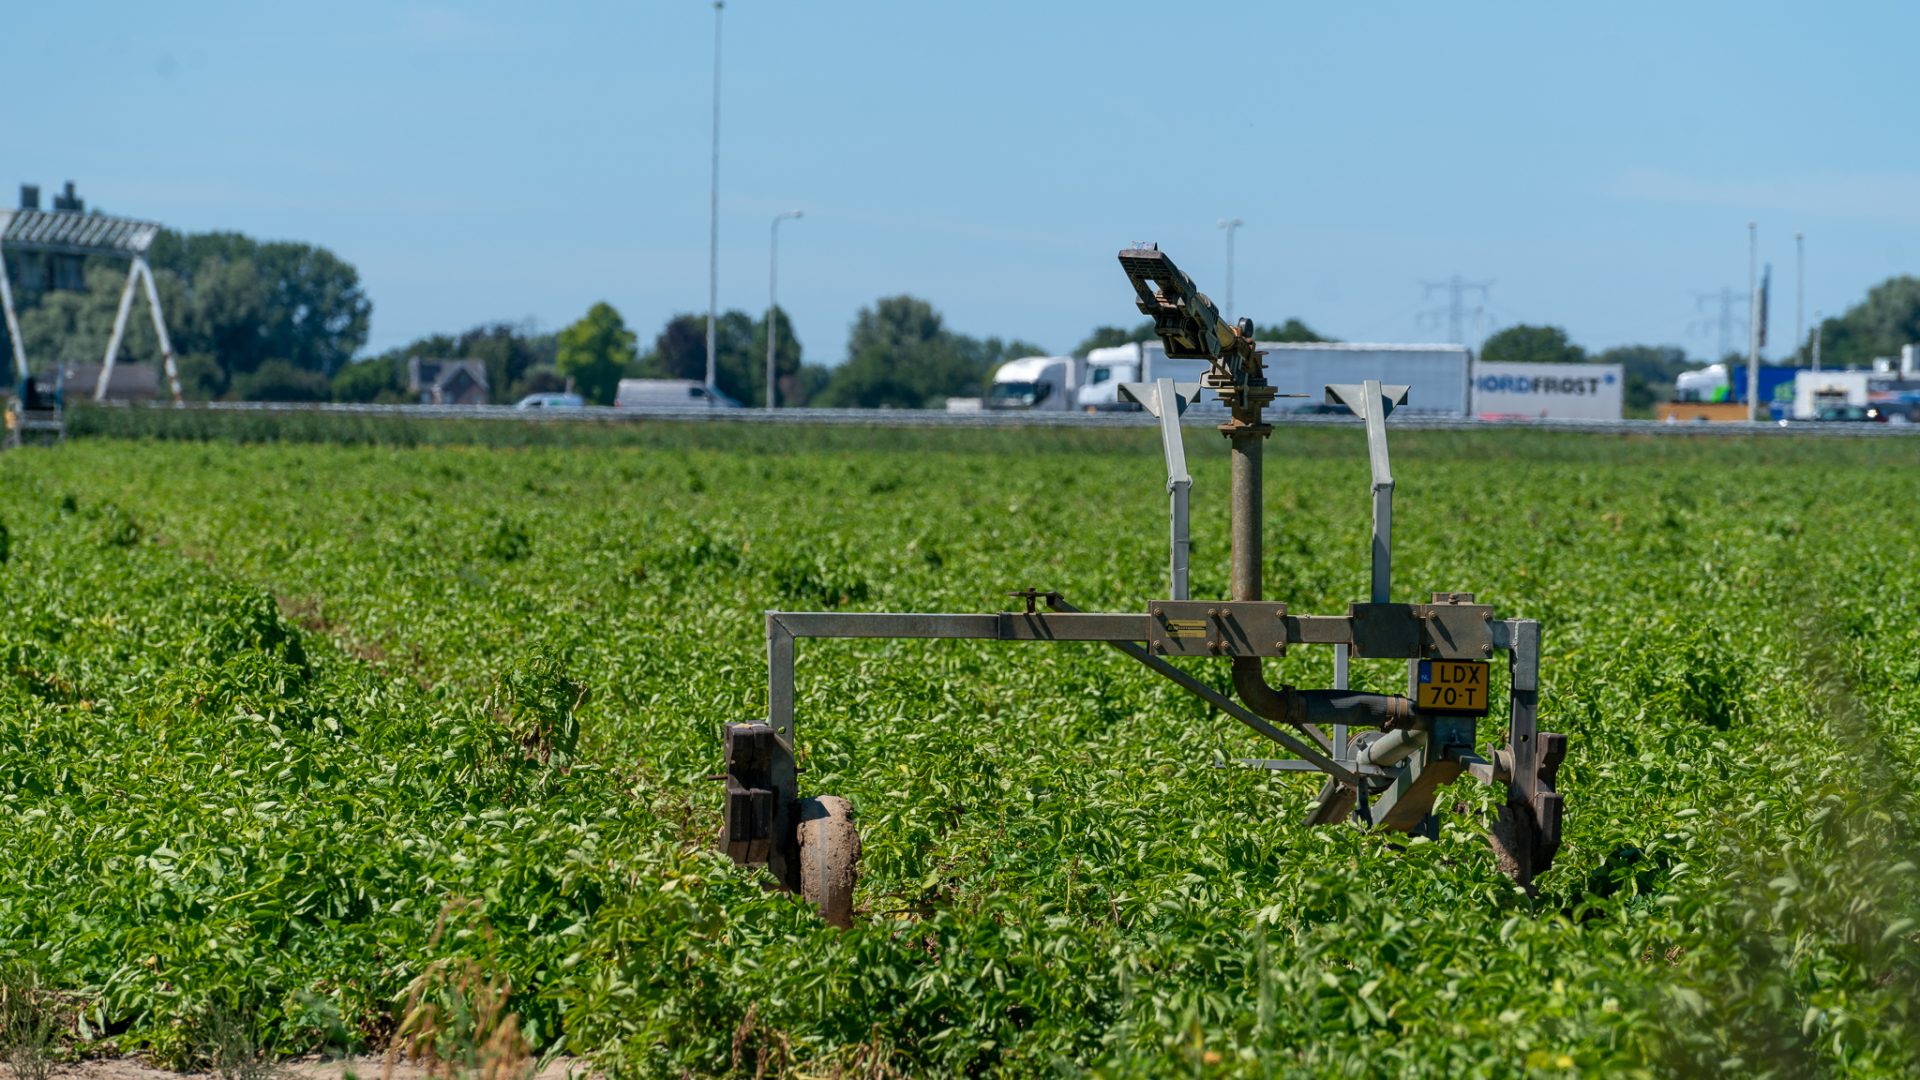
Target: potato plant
(285,729)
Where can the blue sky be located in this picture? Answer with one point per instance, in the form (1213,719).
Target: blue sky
(485,161)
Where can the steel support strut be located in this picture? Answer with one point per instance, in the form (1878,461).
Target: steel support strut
(1526,833)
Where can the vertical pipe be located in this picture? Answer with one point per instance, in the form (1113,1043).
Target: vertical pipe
(1246,499)
(1753,322)
(713,211)
(773,302)
(1178,546)
(1799,298)
(781,856)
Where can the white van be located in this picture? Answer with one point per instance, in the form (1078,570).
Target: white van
(669,394)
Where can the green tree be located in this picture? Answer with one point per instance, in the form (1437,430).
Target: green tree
(1531,345)
(595,352)
(740,353)
(1877,326)
(786,360)
(806,385)
(294,301)
(1106,337)
(379,378)
(1648,372)
(901,355)
(280,380)
(679,351)
(1293,330)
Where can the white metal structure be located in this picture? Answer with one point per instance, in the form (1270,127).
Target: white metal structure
(72,232)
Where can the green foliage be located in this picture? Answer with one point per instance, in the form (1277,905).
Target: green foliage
(1877,326)
(901,355)
(740,356)
(280,380)
(595,352)
(1649,371)
(339,741)
(233,304)
(786,362)
(255,300)
(1106,337)
(1293,330)
(1525,344)
(381,378)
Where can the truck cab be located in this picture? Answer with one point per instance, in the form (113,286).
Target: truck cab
(1106,370)
(1035,384)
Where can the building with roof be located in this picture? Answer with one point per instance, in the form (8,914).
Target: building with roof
(447,382)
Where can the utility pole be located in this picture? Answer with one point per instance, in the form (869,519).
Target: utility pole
(1455,310)
(1799,298)
(713,213)
(1816,341)
(773,292)
(1230,224)
(1753,322)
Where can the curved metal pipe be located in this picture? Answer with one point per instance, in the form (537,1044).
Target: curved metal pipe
(1284,704)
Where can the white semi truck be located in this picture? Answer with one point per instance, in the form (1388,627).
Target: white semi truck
(1133,362)
(1438,376)
(1036,383)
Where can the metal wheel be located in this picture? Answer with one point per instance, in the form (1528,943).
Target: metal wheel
(829,857)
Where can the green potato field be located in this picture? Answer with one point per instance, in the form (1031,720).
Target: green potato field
(335,742)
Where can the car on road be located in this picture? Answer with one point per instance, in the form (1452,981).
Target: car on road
(551,401)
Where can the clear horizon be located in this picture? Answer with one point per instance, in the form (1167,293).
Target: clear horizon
(493,162)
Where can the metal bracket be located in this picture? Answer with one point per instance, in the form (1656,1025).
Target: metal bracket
(1031,595)
(753,798)
(1215,628)
(1166,400)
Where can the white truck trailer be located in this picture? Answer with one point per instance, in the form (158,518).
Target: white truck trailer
(1036,384)
(1437,375)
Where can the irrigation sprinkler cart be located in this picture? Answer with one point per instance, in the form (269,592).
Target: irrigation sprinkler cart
(1387,776)
(34,414)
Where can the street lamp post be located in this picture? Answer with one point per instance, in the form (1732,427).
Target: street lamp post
(1230,224)
(713,212)
(1753,322)
(1799,298)
(773,297)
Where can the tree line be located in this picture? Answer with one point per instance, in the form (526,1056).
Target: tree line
(1876,327)
(286,321)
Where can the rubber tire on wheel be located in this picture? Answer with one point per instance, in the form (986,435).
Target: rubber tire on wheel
(829,857)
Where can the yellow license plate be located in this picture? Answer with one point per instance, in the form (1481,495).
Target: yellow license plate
(1455,686)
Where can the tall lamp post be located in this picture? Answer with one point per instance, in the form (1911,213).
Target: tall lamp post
(773,296)
(713,211)
(1753,322)
(1799,298)
(1230,224)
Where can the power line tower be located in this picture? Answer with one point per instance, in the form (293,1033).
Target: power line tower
(1732,304)
(1455,309)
